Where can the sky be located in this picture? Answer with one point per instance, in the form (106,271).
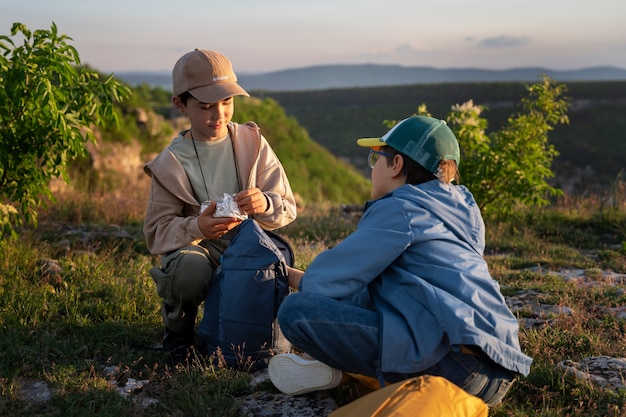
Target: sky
(269,35)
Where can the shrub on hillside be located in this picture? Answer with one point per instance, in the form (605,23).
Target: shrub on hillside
(509,167)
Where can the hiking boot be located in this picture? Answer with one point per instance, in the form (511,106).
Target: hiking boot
(178,344)
(293,375)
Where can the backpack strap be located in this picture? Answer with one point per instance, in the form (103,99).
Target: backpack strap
(284,247)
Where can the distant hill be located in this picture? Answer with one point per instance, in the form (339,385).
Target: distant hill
(592,146)
(370,75)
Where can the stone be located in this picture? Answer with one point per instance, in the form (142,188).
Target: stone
(33,391)
(268,404)
(604,371)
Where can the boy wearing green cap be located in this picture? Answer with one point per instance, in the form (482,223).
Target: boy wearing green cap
(409,292)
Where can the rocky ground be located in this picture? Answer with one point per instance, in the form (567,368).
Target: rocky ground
(606,372)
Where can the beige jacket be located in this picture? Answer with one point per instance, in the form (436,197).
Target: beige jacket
(171,220)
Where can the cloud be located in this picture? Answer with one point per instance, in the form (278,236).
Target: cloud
(503,41)
(406,49)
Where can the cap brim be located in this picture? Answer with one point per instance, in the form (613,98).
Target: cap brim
(218,92)
(370,142)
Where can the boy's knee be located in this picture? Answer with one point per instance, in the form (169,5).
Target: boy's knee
(291,310)
(185,277)
(192,278)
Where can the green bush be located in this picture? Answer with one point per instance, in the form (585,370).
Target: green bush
(49,105)
(510,167)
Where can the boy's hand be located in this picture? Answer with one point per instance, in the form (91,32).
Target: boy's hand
(252,201)
(294,277)
(215,227)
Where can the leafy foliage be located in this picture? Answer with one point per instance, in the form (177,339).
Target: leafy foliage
(509,168)
(518,165)
(49,105)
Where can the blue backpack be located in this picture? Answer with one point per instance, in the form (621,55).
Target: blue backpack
(239,327)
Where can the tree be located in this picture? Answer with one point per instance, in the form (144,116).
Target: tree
(510,167)
(49,106)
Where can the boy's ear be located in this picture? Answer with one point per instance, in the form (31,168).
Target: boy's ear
(178,104)
(397,168)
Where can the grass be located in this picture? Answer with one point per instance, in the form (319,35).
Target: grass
(102,310)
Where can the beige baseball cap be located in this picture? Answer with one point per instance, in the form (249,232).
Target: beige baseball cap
(207,75)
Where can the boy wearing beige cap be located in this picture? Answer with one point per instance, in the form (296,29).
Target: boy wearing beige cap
(409,292)
(215,158)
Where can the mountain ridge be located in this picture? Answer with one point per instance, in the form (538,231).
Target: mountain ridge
(322,77)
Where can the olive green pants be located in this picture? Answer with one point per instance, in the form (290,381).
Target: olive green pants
(183,281)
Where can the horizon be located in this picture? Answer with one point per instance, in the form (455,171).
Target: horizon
(371,75)
(168,72)
(259,38)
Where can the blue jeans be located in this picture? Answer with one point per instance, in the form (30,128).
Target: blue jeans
(344,336)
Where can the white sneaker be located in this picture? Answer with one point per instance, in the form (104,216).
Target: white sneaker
(293,375)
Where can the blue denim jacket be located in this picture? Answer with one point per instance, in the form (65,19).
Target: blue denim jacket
(417,256)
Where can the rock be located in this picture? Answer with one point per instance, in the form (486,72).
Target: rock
(33,391)
(604,371)
(51,272)
(272,404)
(268,404)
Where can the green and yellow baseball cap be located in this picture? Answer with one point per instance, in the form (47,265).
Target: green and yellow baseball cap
(426,140)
